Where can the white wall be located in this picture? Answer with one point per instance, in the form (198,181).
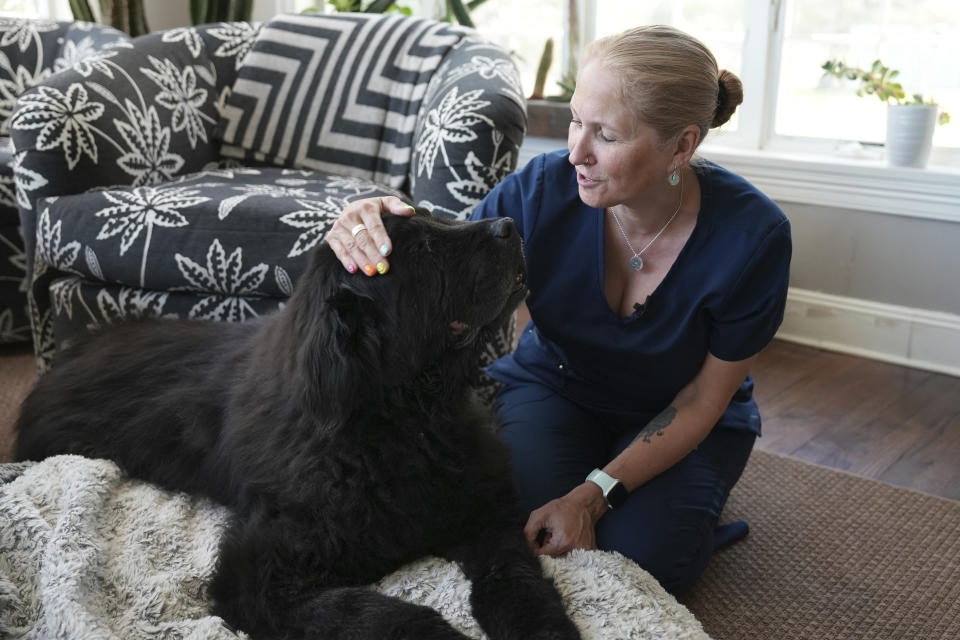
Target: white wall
(167,14)
(877,285)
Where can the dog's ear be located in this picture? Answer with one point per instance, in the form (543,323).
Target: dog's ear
(336,326)
(350,346)
(336,299)
(351,313)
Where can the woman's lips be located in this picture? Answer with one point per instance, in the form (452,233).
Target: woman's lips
(585,181)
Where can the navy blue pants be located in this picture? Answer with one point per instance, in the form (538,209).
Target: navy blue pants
(667,525)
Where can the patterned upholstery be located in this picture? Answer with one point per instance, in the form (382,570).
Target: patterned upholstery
(191,174)
(30,52)
(313,92)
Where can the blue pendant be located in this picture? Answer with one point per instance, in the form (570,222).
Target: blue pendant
(636,263)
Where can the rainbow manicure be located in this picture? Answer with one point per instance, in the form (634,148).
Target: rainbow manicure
(382,268)
(369,270)
(352,268)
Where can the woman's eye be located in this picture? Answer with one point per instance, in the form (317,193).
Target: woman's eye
(604,137)
(575,122)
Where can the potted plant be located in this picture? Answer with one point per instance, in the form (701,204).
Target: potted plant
(126,15)
(549,115)
(910,120)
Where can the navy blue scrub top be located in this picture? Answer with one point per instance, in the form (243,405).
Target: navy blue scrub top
(724,294)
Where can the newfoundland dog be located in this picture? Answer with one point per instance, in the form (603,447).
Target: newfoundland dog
(341,431)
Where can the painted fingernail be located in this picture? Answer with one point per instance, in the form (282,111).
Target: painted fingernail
(412,208)
(369,270)
(352,268)
(382,268)
(384,249)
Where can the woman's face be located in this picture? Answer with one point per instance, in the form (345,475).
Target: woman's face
(617,159)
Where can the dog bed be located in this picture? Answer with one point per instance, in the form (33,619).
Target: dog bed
(86,552)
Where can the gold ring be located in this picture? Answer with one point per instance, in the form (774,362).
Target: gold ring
(357,229)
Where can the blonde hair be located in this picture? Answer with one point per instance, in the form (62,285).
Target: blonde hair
(668,78)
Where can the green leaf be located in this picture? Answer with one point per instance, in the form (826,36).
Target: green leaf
(460,13)
(81,10)
(198,11)
(379,6)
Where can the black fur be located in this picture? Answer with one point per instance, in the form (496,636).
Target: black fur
(340,431)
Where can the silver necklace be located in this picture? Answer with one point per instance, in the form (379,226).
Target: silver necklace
(636,262)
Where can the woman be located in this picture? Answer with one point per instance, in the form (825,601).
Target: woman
(655,278)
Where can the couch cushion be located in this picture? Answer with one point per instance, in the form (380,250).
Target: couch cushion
(336,93)
(77,304)
(244,231)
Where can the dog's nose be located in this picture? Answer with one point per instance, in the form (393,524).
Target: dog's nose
(502,228)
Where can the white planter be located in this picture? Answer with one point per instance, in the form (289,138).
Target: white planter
(910,134)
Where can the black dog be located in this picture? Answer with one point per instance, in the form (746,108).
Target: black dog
(340,431)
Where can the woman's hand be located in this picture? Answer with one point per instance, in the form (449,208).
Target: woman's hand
(566,523)
(358,238)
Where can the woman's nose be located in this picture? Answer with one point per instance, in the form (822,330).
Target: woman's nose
(579,153)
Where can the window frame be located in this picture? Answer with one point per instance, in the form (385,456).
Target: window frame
(815,171)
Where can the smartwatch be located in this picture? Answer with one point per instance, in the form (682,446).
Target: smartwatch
(613,491)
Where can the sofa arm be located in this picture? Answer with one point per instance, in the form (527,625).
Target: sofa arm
(143,112)
(469,129)
(134,115)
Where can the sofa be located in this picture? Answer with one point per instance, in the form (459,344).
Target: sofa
(190,174)
(30,52)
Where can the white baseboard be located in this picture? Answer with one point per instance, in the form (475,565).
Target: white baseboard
(912,337)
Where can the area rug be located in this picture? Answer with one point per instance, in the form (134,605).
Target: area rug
(832,556)
(87,553)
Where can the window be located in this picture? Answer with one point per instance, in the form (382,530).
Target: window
(718,24)
(920,38)
(777,48)
(35,8)
(523,28)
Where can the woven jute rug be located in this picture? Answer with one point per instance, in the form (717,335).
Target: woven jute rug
(829,555)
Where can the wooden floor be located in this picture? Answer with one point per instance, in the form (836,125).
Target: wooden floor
(874,419)
(883,421)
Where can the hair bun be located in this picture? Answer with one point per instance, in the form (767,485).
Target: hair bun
(729,97)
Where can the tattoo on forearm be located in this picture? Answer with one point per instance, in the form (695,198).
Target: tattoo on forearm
(656,426)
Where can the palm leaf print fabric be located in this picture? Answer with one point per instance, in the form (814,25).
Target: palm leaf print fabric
(30,52)
(191,174)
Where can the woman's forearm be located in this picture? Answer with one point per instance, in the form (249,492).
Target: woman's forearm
(664,441)
(678,429)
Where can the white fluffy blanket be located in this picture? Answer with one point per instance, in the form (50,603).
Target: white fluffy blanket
(87,553)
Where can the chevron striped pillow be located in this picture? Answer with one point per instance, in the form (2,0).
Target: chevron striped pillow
(337,93)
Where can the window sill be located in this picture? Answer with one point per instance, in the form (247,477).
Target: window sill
(824,179)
